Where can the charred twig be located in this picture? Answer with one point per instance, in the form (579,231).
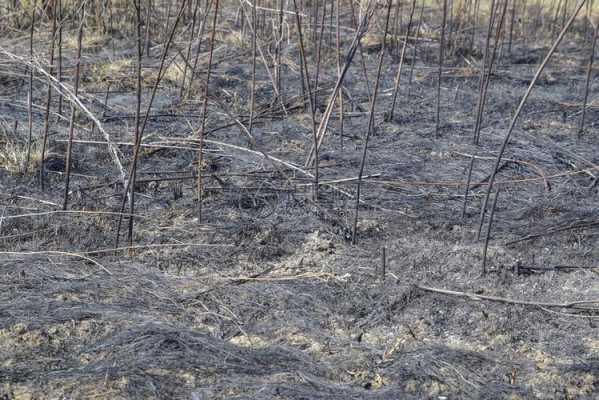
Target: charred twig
(577,305)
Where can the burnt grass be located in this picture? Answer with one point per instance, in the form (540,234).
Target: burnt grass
(266,297)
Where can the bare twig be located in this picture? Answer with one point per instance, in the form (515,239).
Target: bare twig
(578,305)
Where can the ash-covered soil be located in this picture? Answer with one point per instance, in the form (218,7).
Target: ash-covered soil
(265,296)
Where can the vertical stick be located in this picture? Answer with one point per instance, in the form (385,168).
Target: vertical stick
(512,20)
(396,24)
(59,77)
(188,57)
(467,187)
(497,44)
(338,45)
(523,23)
(587,19)
(200,188)
(485,76)
(253,83)
(110,23)
(148,22)
(331,23)
(130,183)
(450,23)
(200,35)
(30,89)
(362,58)
(315,23)
(441,56)
(475,11)
(279,44)
(488,236)
(371,120)
(73,112)
(324,121)
(383,262)
(49,97)
(137,139)
(588,80)
(312,110)
(415,51)
(401,60)
(318,56)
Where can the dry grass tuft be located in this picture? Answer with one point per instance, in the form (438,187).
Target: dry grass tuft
(13,155)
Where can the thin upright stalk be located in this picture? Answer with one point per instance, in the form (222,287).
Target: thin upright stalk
(201,133)
(338,47)
(587,85)
(396,24)
(130,186)
(59,73)
(191,37)
(415,50)
(48,98)
(324,121)
(450,25)
(467,189)
(587,20)
(485,73)
(253,83)
(558,8)
(475,12)
(440,74)
(319,56)
(401,60)
(30,89)
(488,235)
(371,120)
(315,22)
(137,138)
(68,161)
(523,22)
(148,23)
(512,21)
(310,98)
(200,35)
(361,49)
(279,42)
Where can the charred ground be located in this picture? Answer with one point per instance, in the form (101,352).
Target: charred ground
(266,297)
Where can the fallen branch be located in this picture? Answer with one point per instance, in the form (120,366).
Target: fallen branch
(578,305)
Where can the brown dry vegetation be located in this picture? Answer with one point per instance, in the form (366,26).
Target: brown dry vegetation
(249,286)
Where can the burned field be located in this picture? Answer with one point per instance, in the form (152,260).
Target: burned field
(248,265)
